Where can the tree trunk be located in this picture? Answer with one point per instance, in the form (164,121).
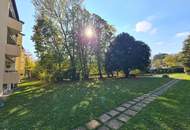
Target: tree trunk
(126,73)
(112,74)
(99,69)
(117,74)
(73,70)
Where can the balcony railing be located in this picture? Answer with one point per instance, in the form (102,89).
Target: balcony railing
(14,24)
(12,50)
(11,77)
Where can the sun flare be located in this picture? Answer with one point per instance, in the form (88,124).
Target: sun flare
(89,33)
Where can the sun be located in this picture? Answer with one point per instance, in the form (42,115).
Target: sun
(89,33)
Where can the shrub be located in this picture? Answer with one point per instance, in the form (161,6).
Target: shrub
(135,72)
(165,76)
(168,70)
(187,71)
(132,75)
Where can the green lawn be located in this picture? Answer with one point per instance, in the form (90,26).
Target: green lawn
(169,112)
(68,105)
(180,76)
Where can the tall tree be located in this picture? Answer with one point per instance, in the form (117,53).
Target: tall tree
(48,45)
(158,60)
(71,21)
(173,60)
(186,54)
(64,14)
(83,48)
(126,54)
(104,36)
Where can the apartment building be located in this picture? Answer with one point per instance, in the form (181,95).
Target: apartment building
(10,29)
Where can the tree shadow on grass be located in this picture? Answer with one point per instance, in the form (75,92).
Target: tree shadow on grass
(168,112)
(68,105)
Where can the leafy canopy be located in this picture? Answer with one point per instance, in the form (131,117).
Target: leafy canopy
(125,53)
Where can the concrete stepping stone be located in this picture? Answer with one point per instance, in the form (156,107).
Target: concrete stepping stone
(132,102)
(136,100)
(146,95)
(114,119)
(93,124)
(103,128)
(141,98)
(114,124)
(153,95)
(113,113)
(104,118)
(120,109)
(126,105)
(149,99)
(146,102)
(123,118)
(141,104)
(160,92)
(80,128)
(152,98)
(130,112)
(136,108)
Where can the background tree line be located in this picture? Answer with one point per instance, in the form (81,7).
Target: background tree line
(167,63)
(71,43)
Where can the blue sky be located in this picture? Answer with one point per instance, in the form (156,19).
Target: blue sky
(162,24)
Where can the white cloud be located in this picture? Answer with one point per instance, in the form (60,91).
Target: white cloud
(143,26)
(182,34)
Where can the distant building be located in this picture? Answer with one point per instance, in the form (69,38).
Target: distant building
(10,30)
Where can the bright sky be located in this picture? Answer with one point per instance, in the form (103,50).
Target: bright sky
(162,24)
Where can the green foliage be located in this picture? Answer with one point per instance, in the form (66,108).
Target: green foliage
(48,47)
(165,76)
(67,22)
(135,72)
(167,70)
(167,60)
(181,76)
(125,53)
(186,55)
(159,56)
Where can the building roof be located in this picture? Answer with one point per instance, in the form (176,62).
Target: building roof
(16,11)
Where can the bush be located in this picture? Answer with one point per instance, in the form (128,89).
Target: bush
(165,76)
(60,76)
(187,70)
(168,70)
(135,72)
(132,75)
(43,75)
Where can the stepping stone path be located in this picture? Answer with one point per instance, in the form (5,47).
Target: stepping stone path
(104,118)
(93,124)
(114,119)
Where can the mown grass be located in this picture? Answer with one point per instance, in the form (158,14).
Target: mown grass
(51,106)
(169,112)
(181,76)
